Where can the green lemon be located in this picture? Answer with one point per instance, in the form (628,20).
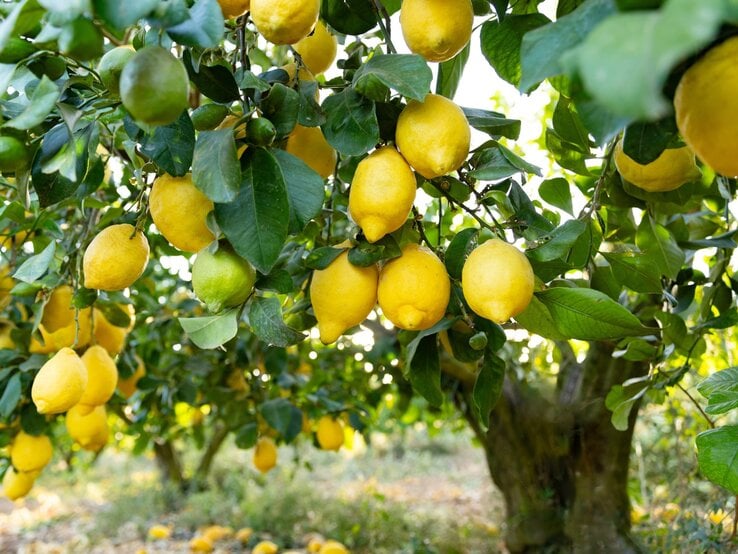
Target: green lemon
(51,66)
(208,116)
(111,65)
(16,50)
(13,154)
(260,131)
(154,86)
(81,40)
(222,280)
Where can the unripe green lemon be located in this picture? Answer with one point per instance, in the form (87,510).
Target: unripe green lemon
(13,154)
(208,116)
(111,65)
(222,280)
(260,131)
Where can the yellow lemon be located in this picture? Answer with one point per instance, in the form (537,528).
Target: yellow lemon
(234,8)
(414,289)
(201,544)
(382,193)
(265,547)
(61,325)
(284,21)
(159,532)
(89,429)
(436,29)
(128,385)
(317,50)
(673,168)
(111,337)
(433,136)
(330,433)
(58,310)
(315,544)
(265,454)
(342,295)
(497,280)
(179,210)
(707,107)
(17,484)
(102,378)
(115,258)
(309,144)
(6,340)
(333,547)
(59,383)
(6,285)
(222,280)
(244,534)
(29,452)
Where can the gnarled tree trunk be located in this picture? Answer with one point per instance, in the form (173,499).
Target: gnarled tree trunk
(559,462)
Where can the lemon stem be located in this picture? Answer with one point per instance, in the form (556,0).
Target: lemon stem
(384,25)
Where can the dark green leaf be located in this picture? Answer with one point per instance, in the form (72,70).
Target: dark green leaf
(721,391)
(24,17)
(305,188)
(350,17)
(587,314)
(34,267)
(120,15)
(41,102)
(537,319)
(557,193)
(213,331)
(635,271)
(408,74)
(461,245)
(566,154)
(11,396)
(214,81)
(559,242)
(216,170)
(282,416)
(365,254)
(425,371)
(281,106)
(501,41)
(171,146)
(725,320)
(488,386)
(449,73)
(265,318)
(490,164)
(247,436)
(660,246)
(717,455)
(203,29)
(256,222)
(645,141)
(494,124)
(320,258)
(568,125)
(351,126)
(54,188)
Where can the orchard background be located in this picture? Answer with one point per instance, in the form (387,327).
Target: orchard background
(595,380)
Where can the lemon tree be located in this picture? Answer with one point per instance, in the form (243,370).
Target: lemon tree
(220,226)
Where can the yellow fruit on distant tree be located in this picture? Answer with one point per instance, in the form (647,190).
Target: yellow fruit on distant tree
(309,144)
(342,296)
(6,340)
(497,280)
(216,533)
(237,382)
(128,385)
(222,280)
(265,547)
(179,210)
(436,29)
(244,534)
(30,452)
(433,136)
(414,289)
(59,383)
(201,544)
(111,337)
(330,433)
(706,107)
(6,285)
(234,8)
(102,378)
(159,532)
(314,545)
(333,547)
(284,21)
(265,454)
(317,50)
(382,193)
(115,258)
(673,168)
(17,484)
(87,428)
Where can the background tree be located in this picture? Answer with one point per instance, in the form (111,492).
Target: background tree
(630,241)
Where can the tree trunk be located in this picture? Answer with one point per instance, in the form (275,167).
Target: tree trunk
(560,464)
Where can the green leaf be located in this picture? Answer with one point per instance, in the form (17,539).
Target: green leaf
(542,48)
(537,319)
(204,28)
(24,17)
(265,318)
(11,396)
(721,391)
(635,271)
(34,267)
(425,371)
(256,222)
(630,85)
(450,72)
(351,125)
(408,74)
(519,162)
(349,17)
(282,416)
(501,41)
(717,456)
(305,188)
(216,170)
(214,81)
(320,258)
(568,125)
(490,164)
(725,320)
(660,246)
(488,386)
(365,254)
(645,141)
(247,436)
(120,15)
(212,331)
(566,154)
(559,242)
(460,247)
(281,106)
(171,146)
(55,187)
(587,314)
(557,193)
(41,103)
(620,401)
(494,124)
(637,350)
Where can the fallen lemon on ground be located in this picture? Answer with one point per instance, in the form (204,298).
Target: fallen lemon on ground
(159,532)
(59,383)
(497,280)
(673,168)
(265,547)
(330,433)
(201,544)
(333,547)
(436,29)
(414,289)
(115,258)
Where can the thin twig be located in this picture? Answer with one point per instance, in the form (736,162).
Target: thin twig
(384,25)
(419,225)
(697,405)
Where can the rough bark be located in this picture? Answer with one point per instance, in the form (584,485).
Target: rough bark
(560,464)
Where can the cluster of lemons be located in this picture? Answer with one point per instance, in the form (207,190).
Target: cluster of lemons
(78,386)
